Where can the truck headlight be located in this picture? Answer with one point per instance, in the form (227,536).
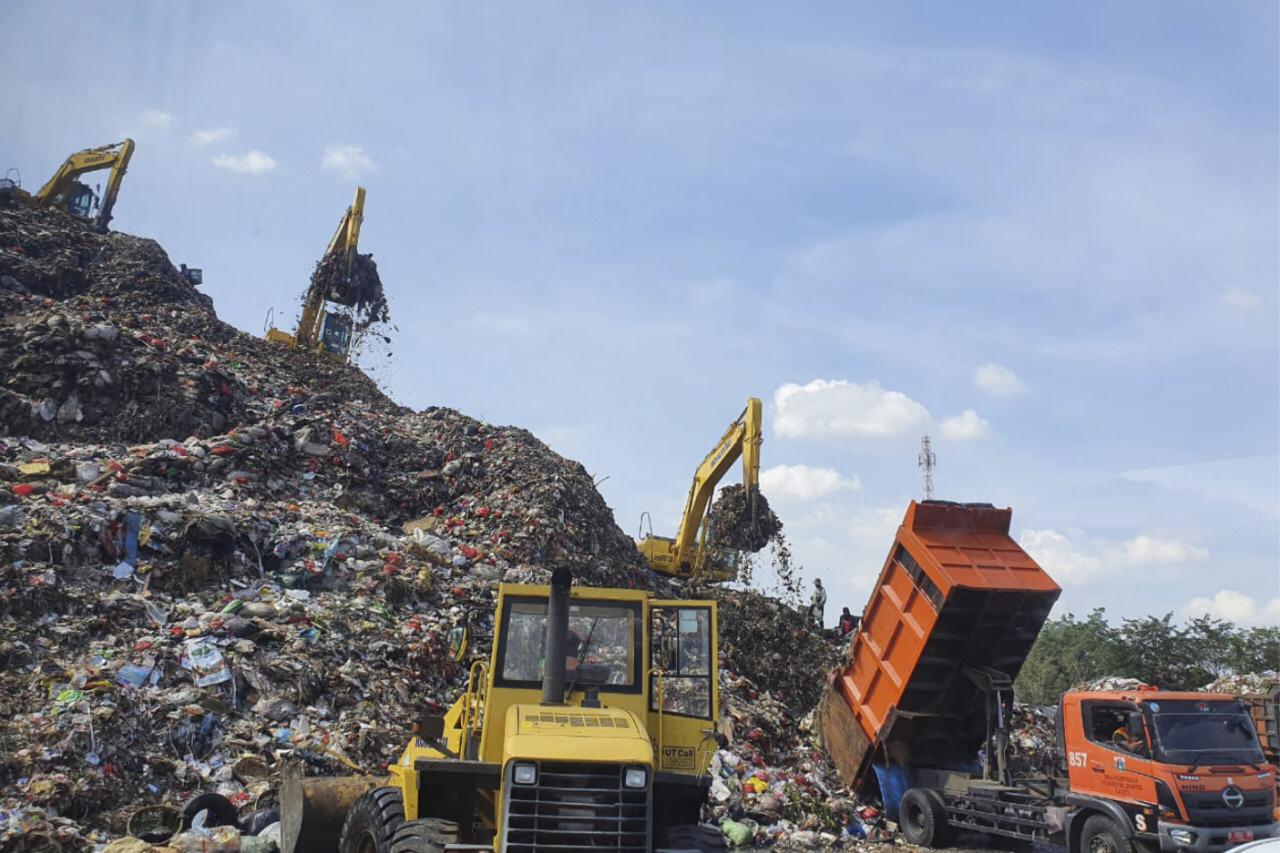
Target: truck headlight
(635,777)
(1183,836)
(524,774)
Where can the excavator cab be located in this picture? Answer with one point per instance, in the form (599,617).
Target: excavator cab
(81,201)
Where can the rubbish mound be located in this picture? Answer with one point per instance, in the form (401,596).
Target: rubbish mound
(767,642)
(1112,682)
(361,291)
(1033,740)
(740,523)
(1245,683)
(221,557)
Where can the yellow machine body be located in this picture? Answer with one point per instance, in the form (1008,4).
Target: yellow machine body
(65,191)
(345,241)
(657,714)
(688,554)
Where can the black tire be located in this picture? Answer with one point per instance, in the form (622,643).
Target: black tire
(923,819)
(1101,834)
(372,822)
(429,835)
(704,839)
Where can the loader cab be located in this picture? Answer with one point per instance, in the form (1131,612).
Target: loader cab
(618,710)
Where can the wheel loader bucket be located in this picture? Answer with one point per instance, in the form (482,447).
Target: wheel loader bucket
(312,811)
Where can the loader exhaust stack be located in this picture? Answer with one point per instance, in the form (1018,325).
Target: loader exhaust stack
(557,640)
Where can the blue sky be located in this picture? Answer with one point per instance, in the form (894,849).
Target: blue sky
(1046,234)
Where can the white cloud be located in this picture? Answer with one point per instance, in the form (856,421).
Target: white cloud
(1239,298)
(251,163)
(155,120)
(966,426)
(1148,550)
(349,161)
(839,409)
(212,135)
(805,482)
(1074,558)
(998,381)
(1065,560)
(1236,607)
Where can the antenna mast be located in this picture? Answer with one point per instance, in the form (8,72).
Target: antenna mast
(927,460)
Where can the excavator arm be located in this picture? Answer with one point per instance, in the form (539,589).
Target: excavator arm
(344,243)
(65,190)
(686,553)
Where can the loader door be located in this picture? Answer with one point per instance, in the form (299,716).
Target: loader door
(682,684)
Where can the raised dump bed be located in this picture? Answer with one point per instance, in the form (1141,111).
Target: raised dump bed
(956,592)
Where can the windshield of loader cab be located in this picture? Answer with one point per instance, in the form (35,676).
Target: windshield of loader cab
(605,633)
(1204,732)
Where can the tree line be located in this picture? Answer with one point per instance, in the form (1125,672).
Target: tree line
(1153,649)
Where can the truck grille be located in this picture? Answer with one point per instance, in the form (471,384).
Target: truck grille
(576,807)
(1206,808)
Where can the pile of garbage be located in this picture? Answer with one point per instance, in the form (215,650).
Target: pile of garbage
(769,642)
(1245,683)
(773,784)
(221,558)
(1033,740)
(743,522)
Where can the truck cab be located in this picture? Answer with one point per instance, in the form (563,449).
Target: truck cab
(1179,771)
(591,725)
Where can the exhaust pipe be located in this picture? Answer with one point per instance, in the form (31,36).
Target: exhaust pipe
(557,640)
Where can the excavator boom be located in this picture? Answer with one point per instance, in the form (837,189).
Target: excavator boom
(65,190)
(687,553)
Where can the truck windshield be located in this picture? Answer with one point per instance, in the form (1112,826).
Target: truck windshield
(1193,732)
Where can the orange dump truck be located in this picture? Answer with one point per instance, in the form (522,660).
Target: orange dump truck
(922,706)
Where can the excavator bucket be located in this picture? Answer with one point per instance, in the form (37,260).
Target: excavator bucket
(312,811)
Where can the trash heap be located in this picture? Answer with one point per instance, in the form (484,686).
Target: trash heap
(1245,684)
(741,523)
(773,783)
(220,557)
(1033,740)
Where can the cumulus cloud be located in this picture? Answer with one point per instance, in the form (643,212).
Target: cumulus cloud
(1239,298)
(349,161)
(998,381)
(1236,607)
(1148,550)
(250,163)
(155,120)
(1074,558)
(805,482)
(966,426)
(212,136)
(837,409)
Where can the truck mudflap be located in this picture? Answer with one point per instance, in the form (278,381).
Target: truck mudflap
(1211,839)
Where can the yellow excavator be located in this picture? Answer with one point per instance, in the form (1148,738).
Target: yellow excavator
(65,191)
(590,727)
(689,554)
(318,329)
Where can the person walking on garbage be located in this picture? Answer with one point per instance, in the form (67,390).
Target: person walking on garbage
(817,602)
(848,623)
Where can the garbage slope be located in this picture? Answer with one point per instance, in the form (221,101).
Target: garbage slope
(165,477)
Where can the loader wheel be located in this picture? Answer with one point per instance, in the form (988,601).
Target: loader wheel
(429,835)
(1101,834)
(923,819)
(372,822)
(704,839)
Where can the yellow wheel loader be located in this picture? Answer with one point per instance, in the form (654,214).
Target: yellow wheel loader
(591,727)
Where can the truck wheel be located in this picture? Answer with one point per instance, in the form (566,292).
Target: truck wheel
(1101,834)
(704,839)
(923,819)
(429,835)
(372,822)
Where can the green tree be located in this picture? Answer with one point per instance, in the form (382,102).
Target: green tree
(1066,653)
